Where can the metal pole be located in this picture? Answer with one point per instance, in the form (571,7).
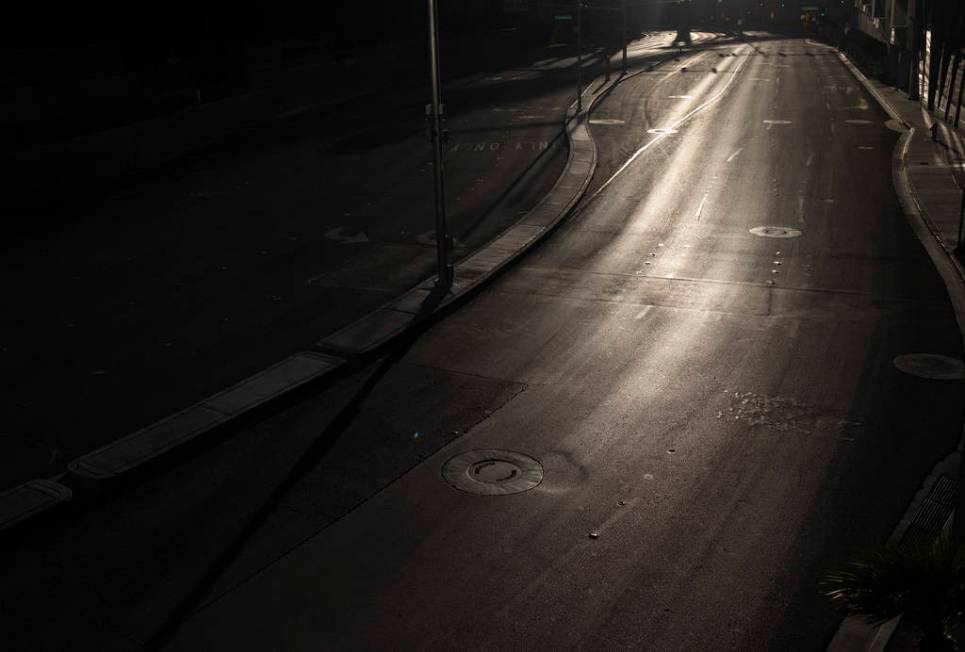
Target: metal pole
(442,237)
(623,32)
(579,56)
(961,221)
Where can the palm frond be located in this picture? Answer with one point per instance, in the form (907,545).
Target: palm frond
(925,583)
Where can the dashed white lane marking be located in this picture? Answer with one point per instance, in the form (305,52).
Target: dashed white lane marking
(771,123)
(759,79)
(700,208)
(800,209)
(807,164)
(827,105)
(734,155)
(858,122)
(865,147)
(642,313)
(661,136)
(681,97)
(607,121)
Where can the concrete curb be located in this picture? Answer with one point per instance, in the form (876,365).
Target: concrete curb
(30,499)
(148,443)
(365,335)
(855,632)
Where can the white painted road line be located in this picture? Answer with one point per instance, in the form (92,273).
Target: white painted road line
(661,136)
(700,208)
(734,155)
(859,122)
(771,123)
(606,121)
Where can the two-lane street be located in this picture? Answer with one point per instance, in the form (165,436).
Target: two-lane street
(701,362)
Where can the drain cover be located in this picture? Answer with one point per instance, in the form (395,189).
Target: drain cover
(930,365)
(775,232)
(492,472)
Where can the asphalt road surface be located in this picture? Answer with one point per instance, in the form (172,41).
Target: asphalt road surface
(716,415)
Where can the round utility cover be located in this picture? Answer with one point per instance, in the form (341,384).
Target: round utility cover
(493,472)
(932,366)
(775,232)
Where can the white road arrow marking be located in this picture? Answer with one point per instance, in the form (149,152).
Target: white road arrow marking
(338,236)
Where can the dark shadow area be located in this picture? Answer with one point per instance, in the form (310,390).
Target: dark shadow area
(309,461)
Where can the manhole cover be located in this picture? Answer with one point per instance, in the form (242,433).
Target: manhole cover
(775,232)
(930,365)
(661,131)
(492,472)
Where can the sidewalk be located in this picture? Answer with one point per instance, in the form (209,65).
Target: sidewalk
(934,168)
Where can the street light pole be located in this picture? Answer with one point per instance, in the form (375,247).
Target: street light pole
(623,32)
(579,56)
(443,241)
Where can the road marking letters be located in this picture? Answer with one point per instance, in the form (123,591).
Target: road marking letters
(519,145)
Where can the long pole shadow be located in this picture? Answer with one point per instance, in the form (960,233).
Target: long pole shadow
(309,460)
